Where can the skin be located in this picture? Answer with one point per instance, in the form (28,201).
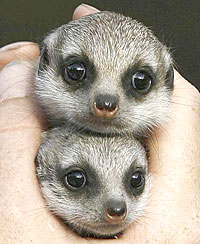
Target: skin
(173,212)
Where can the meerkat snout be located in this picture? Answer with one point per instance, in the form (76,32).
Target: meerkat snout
(115,211)
(106,106)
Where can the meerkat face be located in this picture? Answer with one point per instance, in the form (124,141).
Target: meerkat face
(106,73)
(98,186)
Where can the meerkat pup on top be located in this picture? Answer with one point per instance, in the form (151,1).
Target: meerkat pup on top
(105,73)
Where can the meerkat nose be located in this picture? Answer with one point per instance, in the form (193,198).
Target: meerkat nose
(106,106)
(115,211)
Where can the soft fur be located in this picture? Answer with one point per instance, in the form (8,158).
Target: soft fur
(112,47)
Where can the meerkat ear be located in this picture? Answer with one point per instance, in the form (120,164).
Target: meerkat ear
(44,57)
(168,61)
(170,77)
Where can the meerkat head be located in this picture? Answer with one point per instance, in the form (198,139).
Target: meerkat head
(106,73)
(98,186)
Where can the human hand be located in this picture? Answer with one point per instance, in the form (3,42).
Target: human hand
(173,210)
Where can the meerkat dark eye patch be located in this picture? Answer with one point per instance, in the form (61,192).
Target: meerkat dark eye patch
(75,179)
(78,71)
(134,180)
(80,179)
(138,81)
(141,82)
(74,72)
(137,180)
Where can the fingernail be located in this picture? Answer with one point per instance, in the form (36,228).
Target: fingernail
(83,10)
(84,5)
(15,45)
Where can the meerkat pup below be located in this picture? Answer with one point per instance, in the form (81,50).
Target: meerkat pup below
(98,185)
(105,73)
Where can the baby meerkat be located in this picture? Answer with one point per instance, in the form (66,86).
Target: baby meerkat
(108,79)
(98,185)
(105,73)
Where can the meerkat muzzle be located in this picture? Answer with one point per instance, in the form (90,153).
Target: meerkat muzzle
(106,106)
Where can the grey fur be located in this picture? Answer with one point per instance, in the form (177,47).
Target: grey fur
(110,158)
(112,46)
(112,43)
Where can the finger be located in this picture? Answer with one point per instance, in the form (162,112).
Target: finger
(181,83)
(16,80)
(83,10)
(19,50)
(174,148)
(184,108)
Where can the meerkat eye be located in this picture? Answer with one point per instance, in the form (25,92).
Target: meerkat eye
(141,82)
(74,72)
(137,180)
(75,179)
